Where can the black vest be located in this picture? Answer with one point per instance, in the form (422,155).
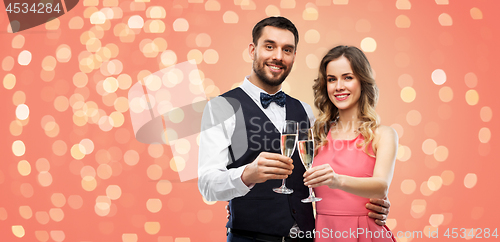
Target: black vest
(262,210)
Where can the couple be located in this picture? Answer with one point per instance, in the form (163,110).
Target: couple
(241,163)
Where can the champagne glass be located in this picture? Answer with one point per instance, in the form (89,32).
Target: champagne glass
(305,147)
(288,141)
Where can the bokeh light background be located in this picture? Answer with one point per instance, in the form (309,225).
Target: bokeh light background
(71,169)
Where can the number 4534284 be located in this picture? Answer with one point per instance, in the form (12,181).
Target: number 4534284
(34,8)
(477,233)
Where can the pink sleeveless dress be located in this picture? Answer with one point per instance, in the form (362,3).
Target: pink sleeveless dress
(343,216)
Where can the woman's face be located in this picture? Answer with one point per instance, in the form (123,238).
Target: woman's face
(344,88)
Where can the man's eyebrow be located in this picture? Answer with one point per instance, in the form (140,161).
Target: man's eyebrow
(268,41)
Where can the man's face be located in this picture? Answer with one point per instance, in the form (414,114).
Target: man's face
(274,55)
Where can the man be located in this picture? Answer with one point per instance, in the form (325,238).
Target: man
(240,156)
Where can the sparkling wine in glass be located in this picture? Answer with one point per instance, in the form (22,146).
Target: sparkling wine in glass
(288,141)
(305,147)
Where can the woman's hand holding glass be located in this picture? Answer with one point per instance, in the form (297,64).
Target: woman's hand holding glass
(322,175)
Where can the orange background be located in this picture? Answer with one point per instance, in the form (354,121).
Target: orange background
(71,169)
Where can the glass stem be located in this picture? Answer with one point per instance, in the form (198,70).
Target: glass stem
(283,183)
(310,192)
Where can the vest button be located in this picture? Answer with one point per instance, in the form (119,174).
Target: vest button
(293,211)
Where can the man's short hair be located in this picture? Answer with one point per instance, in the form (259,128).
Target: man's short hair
(278,22)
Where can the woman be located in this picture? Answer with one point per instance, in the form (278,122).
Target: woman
(355,154)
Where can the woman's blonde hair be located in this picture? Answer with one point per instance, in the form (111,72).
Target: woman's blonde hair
(328,113)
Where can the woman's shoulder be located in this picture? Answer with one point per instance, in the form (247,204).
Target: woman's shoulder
(385,133)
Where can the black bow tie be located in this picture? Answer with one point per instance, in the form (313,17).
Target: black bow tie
(266,99)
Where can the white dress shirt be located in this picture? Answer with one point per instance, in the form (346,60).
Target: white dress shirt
(215,181)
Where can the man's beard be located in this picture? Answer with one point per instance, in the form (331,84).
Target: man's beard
(261,73)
